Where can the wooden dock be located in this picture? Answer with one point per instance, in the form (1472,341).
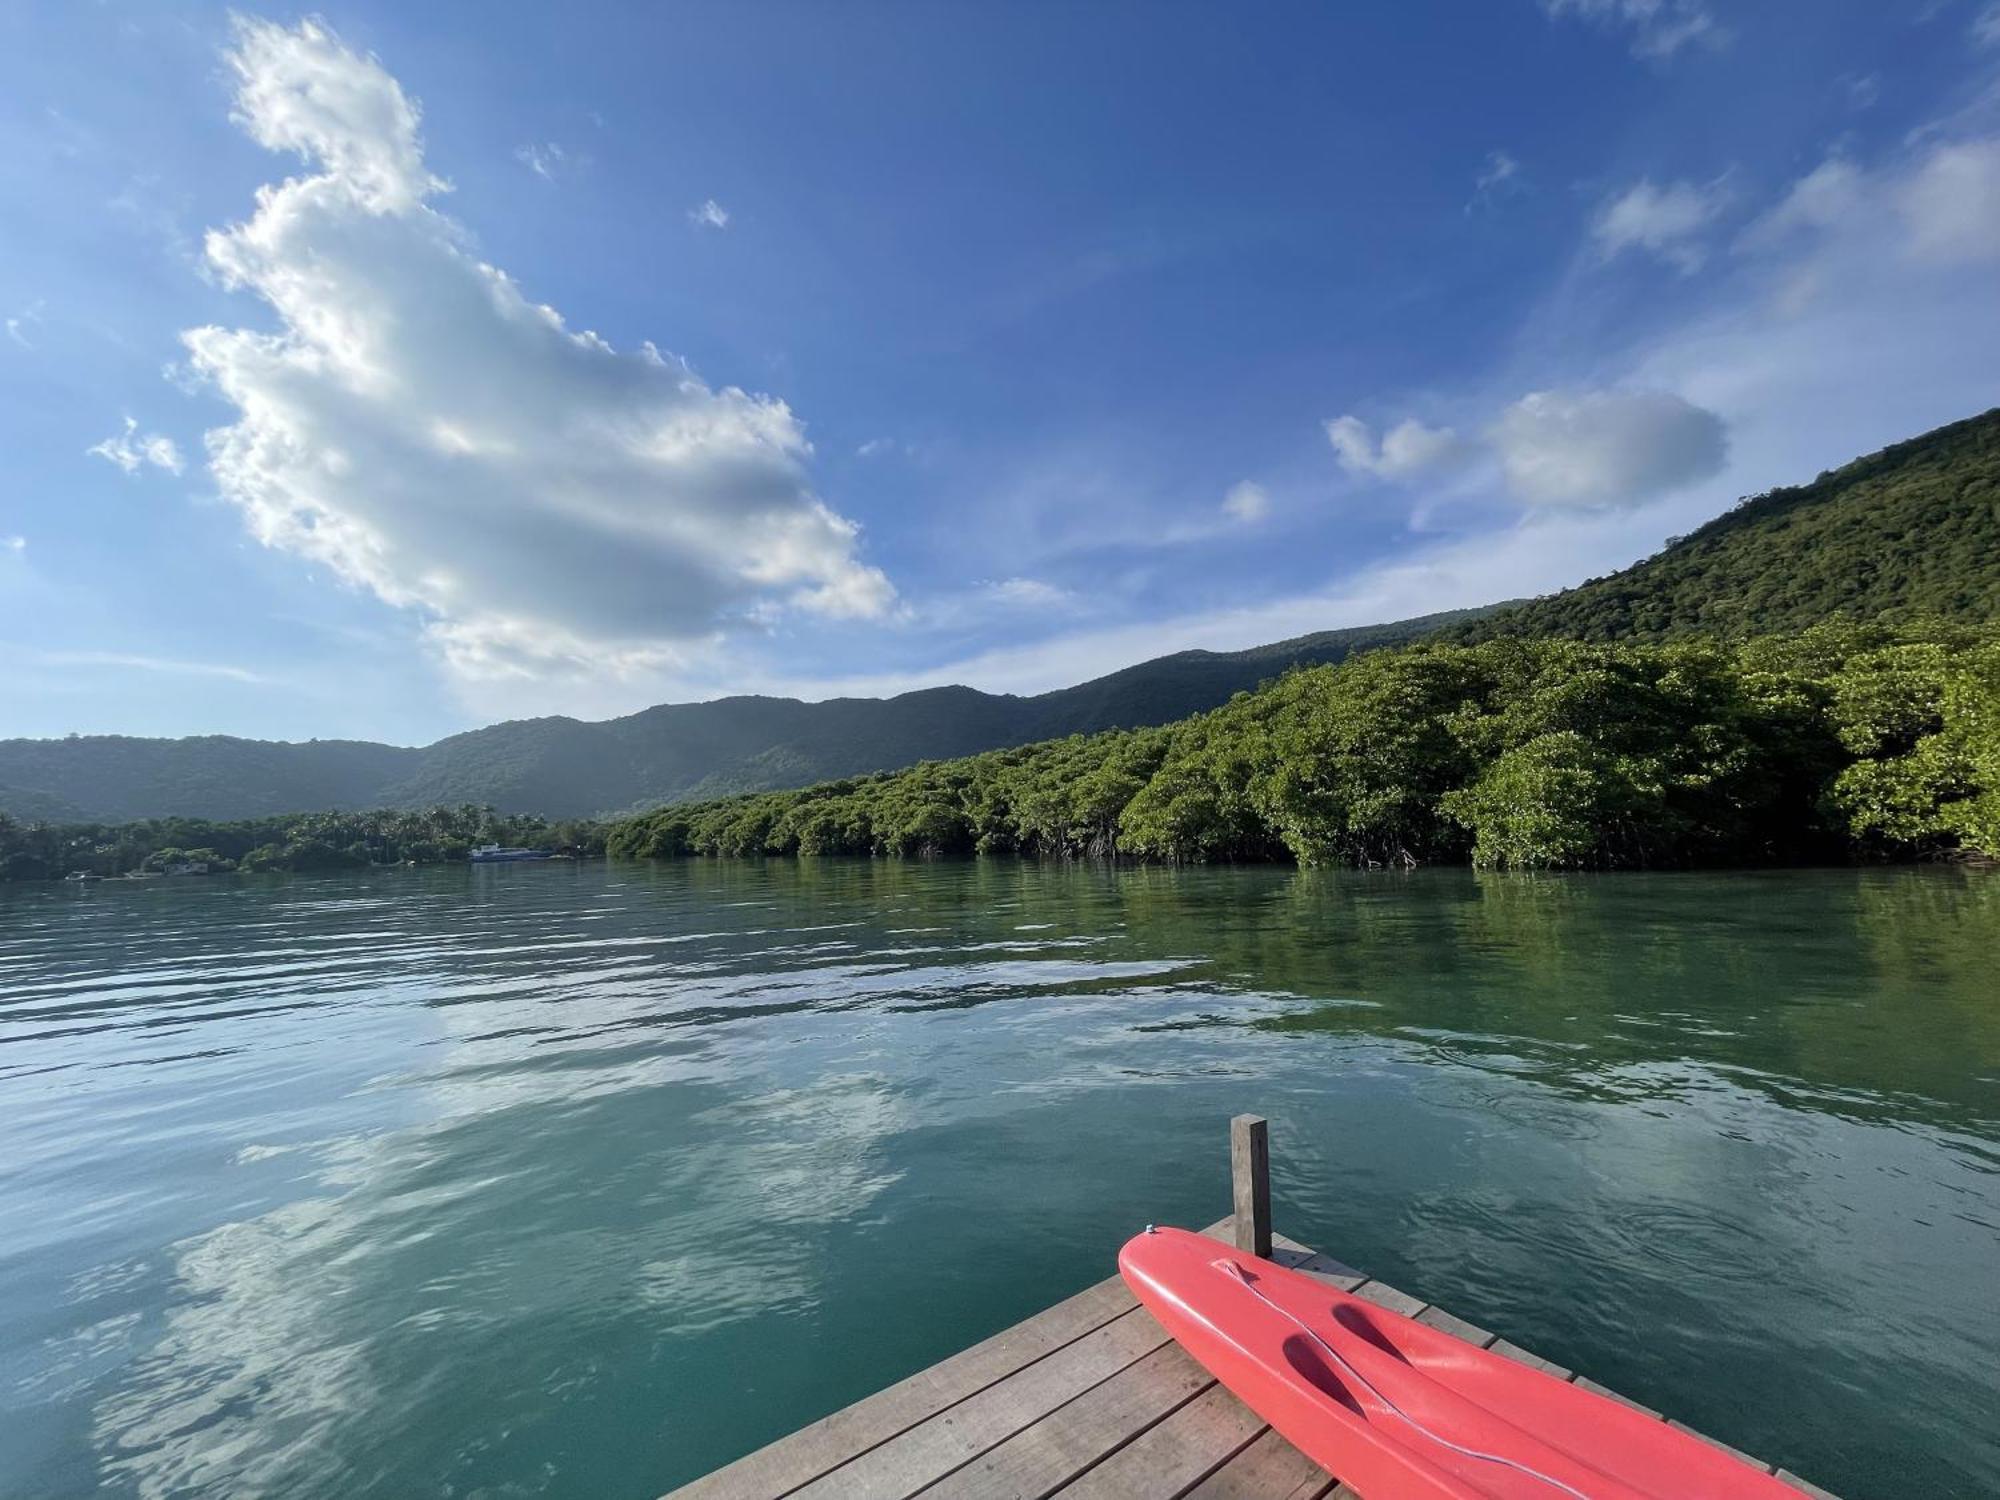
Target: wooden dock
(1089,1400)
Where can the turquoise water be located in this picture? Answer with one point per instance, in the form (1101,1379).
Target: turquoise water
(580,1180)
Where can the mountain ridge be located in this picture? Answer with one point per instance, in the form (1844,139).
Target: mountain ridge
(567,767)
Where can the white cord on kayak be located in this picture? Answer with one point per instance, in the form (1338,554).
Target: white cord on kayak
(1225,1264)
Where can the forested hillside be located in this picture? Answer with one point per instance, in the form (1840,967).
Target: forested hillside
(563,767)
(292,841)
(1910,532)
(1839,741)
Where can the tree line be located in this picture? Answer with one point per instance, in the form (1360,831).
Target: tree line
(292,841)
(1841,741)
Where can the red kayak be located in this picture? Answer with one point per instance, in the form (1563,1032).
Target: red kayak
(1401,1411)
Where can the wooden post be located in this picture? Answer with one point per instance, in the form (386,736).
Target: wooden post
(1250,1172)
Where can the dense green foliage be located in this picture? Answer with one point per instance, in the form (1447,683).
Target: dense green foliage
(1844,739)
(562,766)
(1907,534)
(1911,532)
(309,841)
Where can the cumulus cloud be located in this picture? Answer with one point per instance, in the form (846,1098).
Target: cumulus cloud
(422,428)
(709,215)
(131,450)
(1658,28)
(1669,222)
(1247,502)
(1406,450)
(1605,449)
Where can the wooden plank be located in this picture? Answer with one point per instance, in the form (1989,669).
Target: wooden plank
(1250,1178)
(1383,1295)
(955,1436)
(1269,1469)
(814,1449)
(1174,1455)
(1736,1453)
(1604,1390)
(1074,1436)
(1458,1328)
(1289,1252)
(1515,1352)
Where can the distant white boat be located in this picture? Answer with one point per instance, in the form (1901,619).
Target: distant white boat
(494,854)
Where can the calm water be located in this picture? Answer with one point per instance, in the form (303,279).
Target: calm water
(579,1181)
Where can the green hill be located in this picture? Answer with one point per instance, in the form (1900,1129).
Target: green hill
(1905,535)
(1841,741)
(563,767)
(1910,532)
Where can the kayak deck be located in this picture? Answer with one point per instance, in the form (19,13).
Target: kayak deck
(1087,1398)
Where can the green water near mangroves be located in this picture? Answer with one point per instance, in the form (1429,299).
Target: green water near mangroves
(580,1180)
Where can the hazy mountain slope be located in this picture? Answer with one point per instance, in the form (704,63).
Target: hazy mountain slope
(686,750)
(1913,530)
(113,778)
(566,767)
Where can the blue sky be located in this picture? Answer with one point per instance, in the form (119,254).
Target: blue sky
(389,369)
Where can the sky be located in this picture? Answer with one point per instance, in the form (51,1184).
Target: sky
(382,371)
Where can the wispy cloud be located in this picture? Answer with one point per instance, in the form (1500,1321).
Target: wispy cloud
(1247,502)
(128,662)
(1658,28)
(709,215)
(1670,222)
(131,450)
(545,160)
(15,543)
(28,317)
(1500,177)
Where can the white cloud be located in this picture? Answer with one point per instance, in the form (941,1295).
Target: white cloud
(1659,28)
(131,450)
(1820,199)
(124,661)
(1499,177)
(15,543)
(1669,222)
(18,325)
(422,428)
(1406,450)
(709,215)
(544,160)
(1863,89)
(1986,27)
(1605,449)
(1938,207)
(1247,502)
(1952,204)
(1024,593)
